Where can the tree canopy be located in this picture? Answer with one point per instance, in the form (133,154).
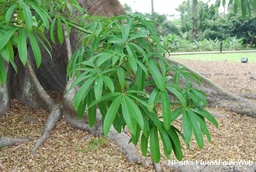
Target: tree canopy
(118,68)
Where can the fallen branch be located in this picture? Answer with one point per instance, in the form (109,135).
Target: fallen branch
(128,149)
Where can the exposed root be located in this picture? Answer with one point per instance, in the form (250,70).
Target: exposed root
(128,149)
(157,167)
(82,125)
(248,95)
(217,97)
(6,141)
(52,119)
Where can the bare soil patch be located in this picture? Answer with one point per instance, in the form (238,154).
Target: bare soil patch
(69,149)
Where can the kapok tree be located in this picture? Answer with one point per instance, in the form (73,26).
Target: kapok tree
(118,75)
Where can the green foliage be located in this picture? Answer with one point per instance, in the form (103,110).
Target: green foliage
(25,22)
(115,68)
(119,68)
(176,43)
(220,57)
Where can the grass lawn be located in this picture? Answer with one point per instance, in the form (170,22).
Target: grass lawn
(230,57)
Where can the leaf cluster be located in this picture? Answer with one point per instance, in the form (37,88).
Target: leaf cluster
(119,67)
(23,24)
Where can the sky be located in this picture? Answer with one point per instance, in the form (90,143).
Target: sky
(160,6)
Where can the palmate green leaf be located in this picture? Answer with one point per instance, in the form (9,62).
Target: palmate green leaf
(35,48)
(9,12)
(22,46)
(196,129)
(111,113)
(7,36)
(154,145)
(27,16)
(98,86)
(187,127)
(3,73)
(166,109)
(128,116)
(157,76)
(144,144)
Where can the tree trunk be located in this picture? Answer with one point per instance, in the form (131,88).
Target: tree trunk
(4,96)
(195,20)
(31,86)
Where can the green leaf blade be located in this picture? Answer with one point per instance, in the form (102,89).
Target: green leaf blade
(144,144)
(187,127)
(28,17)
(166,109)
(98,87)
(6,37)
(157,76)
(111,113)
(36,49)
(60,31)
(128,116)
(22,46)
(154,145)
(3,73)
